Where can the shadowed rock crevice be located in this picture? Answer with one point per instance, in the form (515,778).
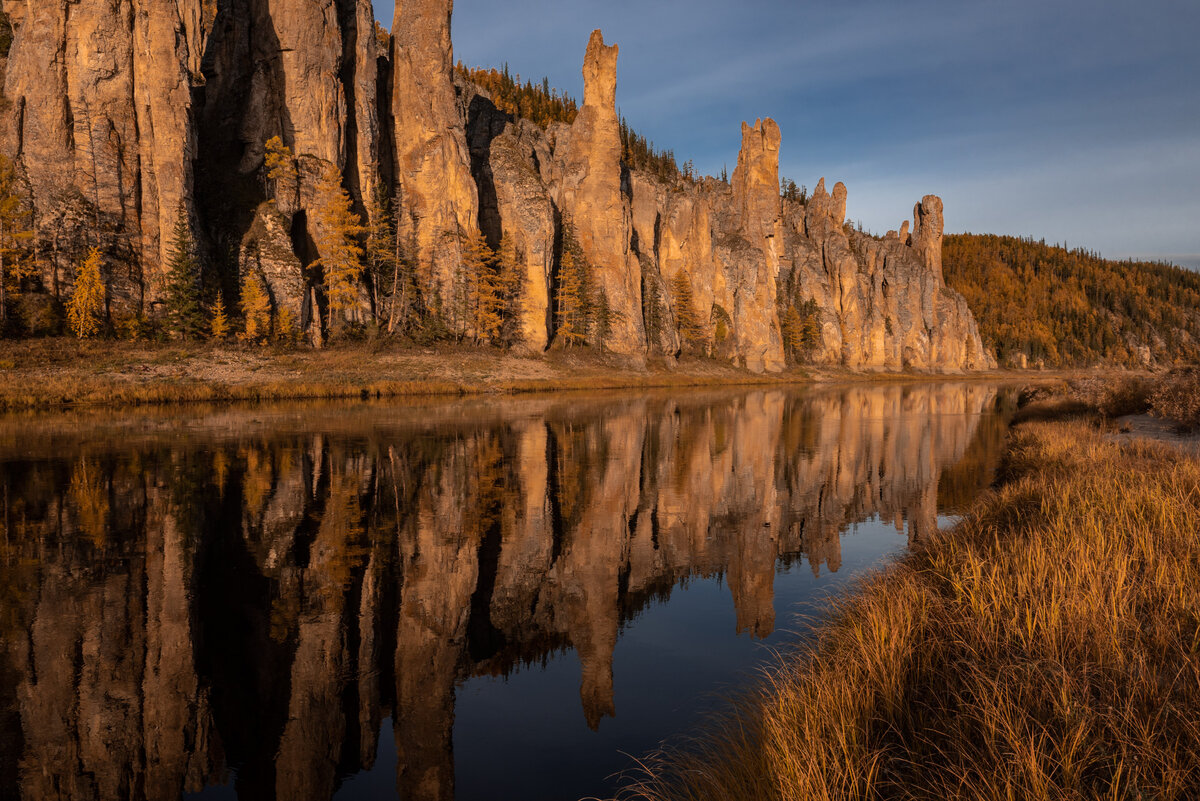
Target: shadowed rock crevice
(485,122)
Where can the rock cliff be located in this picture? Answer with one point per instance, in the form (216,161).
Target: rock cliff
(588,190)
(432,168)
(125,111)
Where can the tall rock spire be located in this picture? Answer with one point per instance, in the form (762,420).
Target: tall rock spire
(591,196)
(438,196)
(756,198)
(928,226)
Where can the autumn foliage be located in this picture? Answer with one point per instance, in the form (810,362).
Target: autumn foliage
(1071,307)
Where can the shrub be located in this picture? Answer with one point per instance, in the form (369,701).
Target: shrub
(1177,398)
(1114,397)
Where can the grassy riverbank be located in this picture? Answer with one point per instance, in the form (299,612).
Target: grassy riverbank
(49,373)
(1047,647)
(64,372)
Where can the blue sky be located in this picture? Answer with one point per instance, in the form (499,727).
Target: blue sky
(1072,120)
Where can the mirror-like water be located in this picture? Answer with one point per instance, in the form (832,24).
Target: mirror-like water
(471,600)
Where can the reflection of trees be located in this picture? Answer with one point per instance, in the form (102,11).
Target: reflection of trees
(267,603)
(89,495)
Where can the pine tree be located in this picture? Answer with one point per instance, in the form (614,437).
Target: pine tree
(383,257)
(85,311)
(652,312)
(512,288)
(256,309)
(575,298)
(604,318)
(691,326)
(478,297)
(810,337)
(569,316)
(184,309)
(12,233)
(219,325)
(337,231)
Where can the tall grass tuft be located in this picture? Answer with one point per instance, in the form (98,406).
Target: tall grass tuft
(1048,647)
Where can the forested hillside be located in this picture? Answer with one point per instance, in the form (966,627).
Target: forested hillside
(1071,307)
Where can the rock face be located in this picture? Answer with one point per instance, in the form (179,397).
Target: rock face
(100,95)
(883,304)
(439,198)
(589,193)
(928,227)
(163,104)
(756,198)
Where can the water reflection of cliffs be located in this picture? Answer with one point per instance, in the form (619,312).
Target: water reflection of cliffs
(264,602)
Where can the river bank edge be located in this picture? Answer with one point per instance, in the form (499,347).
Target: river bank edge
(64,373)
(1045,646)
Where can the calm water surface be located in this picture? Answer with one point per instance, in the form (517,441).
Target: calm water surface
(473,600)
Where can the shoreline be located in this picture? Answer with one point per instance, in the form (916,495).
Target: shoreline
(1013,653)
(63,373)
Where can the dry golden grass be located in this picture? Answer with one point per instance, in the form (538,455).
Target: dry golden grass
(1046,648)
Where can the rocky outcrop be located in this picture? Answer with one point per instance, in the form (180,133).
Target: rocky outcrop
(515,203)
(882,302)
(438,197)
(928,227)
(160,104)
(100,95)
(588,190)
(756,198)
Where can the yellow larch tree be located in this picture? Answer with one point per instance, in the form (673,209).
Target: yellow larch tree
(511,277)
(570,313)
(485,295)
(336,233)
(280,166)
(12,234)
(85,310)
(219,324)
(256,309)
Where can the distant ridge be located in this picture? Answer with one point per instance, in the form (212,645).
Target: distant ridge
(1038,303)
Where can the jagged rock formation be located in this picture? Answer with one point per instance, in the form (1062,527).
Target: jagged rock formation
(319,583)
(883,302)
(928,228)
(431,163)
(756,197)
(588,189)
(161,106)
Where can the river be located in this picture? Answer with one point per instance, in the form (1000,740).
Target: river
(478,599)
